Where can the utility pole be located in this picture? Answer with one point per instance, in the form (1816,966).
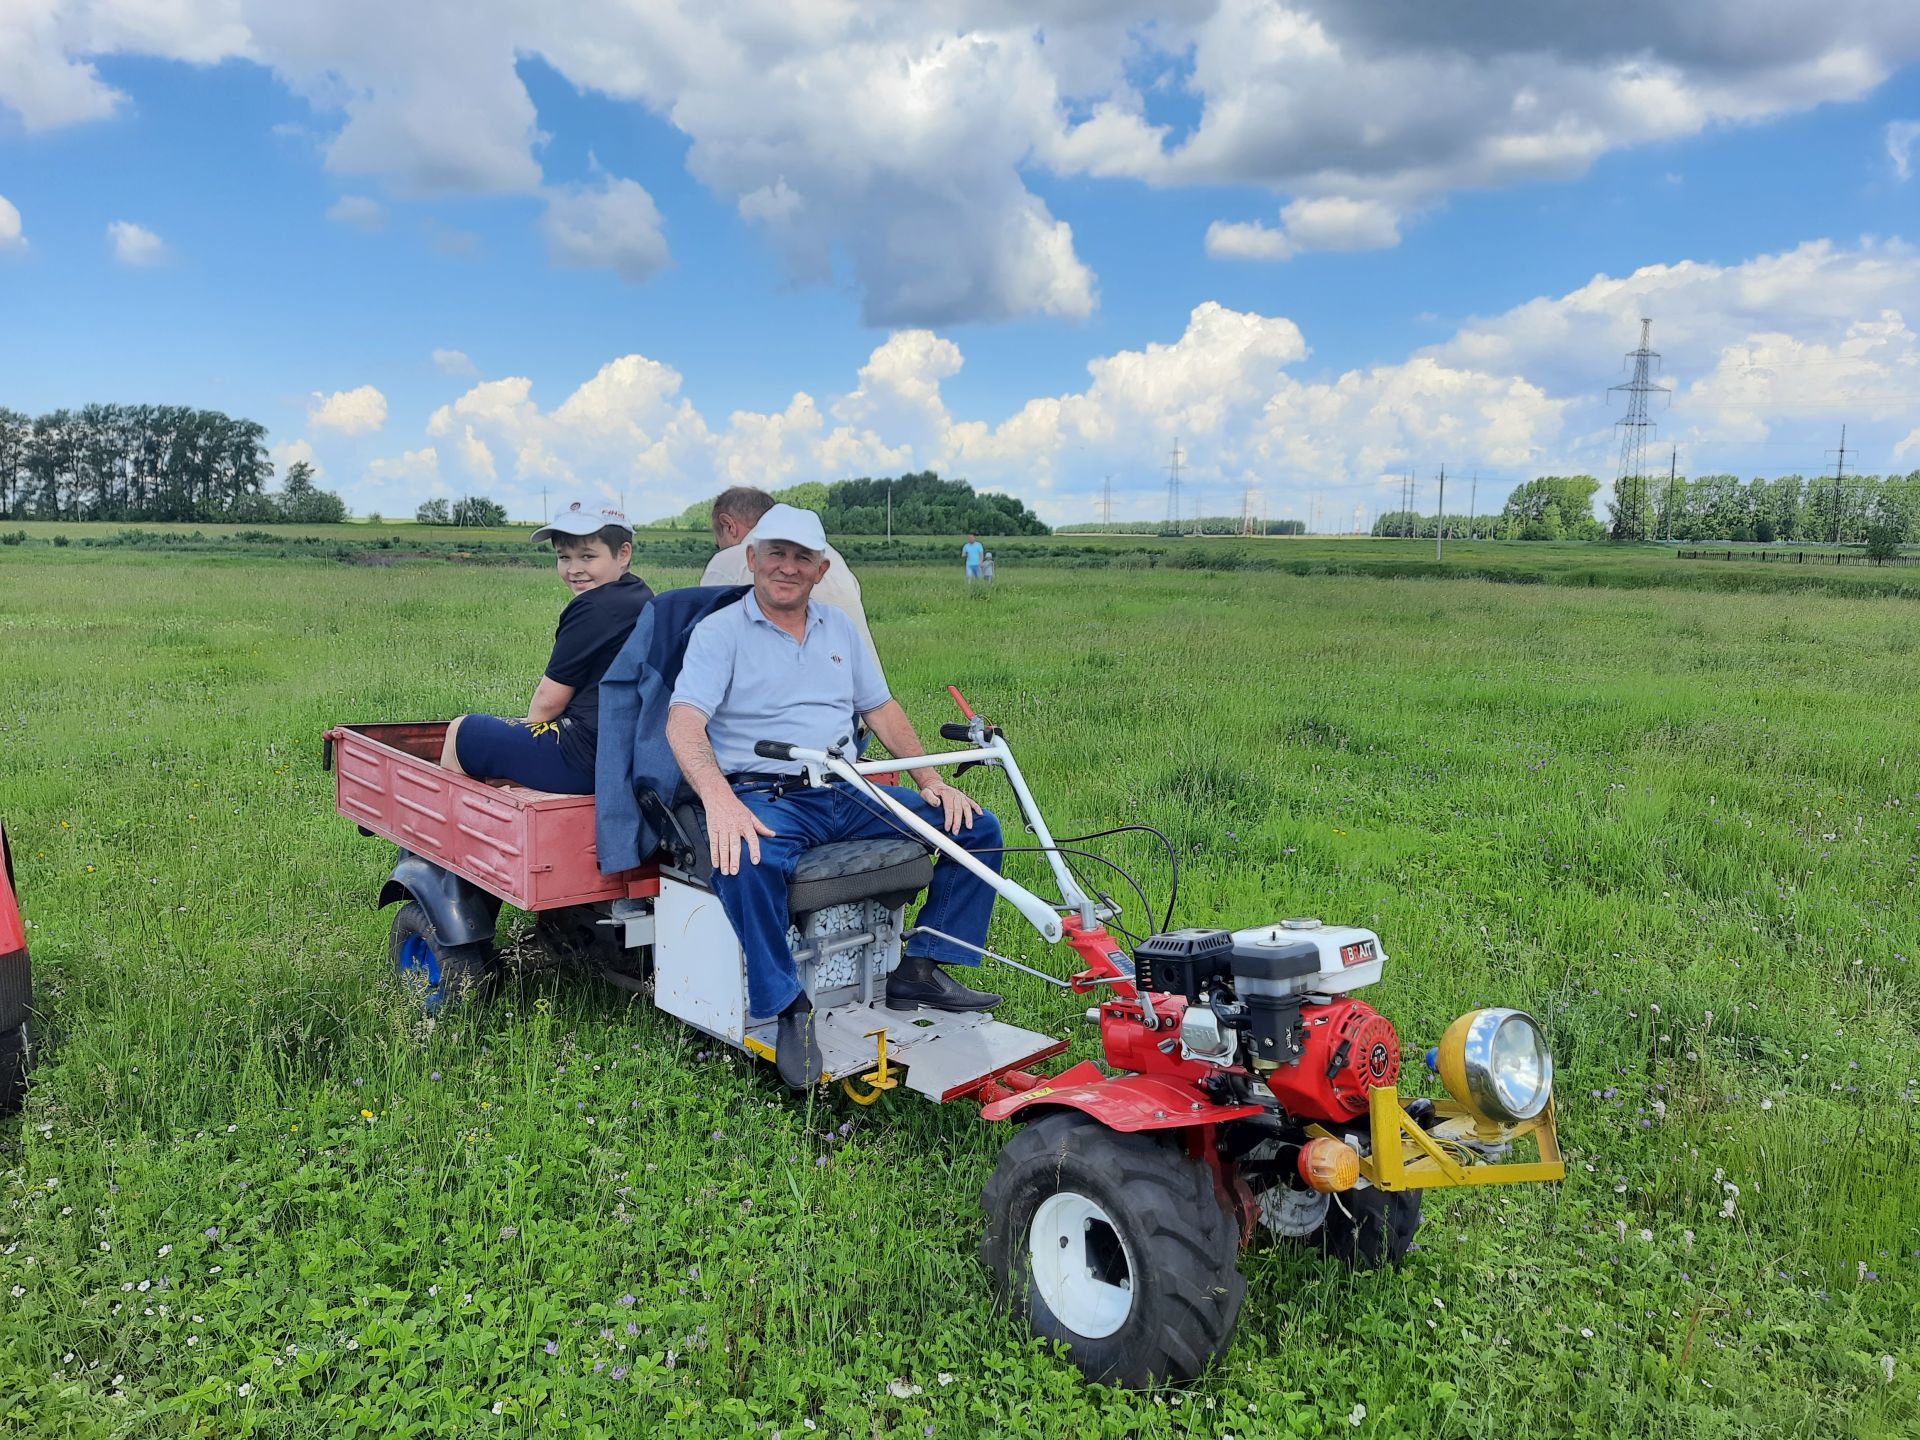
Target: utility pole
(1107,500)
(1630,481)
(1173,488)
(1673,481)
(889,509)
(544,516)
(1839,470)
(1440,520)
(1473,508)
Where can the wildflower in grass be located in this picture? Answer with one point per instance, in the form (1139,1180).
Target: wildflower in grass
(165,1250)
(625,1299)
(212,1232)
(553,1347)
(367,1115)
(620,1371)
(246,1389)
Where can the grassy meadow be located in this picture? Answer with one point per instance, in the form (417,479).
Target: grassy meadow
(255,1194)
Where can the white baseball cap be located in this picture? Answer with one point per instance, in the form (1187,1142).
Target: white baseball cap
(790,522)
(583,517)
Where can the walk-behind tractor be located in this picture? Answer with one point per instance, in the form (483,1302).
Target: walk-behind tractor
(1245,1093)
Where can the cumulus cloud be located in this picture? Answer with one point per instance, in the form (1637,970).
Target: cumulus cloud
(476,455)
(135,245)
(12,237)
(1331,223)
(1781,345)
(1901,135)
(453,362)
(351,412)
(611,225)
(894,144)
(295,452)
(360,212)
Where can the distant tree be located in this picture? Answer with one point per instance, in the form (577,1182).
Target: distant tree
(434,512)
(478,512)
(304,503)
(1883,542)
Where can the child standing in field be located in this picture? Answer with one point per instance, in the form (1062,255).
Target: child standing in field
(553,747)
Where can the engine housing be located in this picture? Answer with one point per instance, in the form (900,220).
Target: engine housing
(1347,1048)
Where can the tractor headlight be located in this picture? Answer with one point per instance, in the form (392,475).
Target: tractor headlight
(1496,1063)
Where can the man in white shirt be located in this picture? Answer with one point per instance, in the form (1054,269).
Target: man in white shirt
(735,512)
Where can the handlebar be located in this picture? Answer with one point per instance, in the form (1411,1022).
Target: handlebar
(951,731)
(773,749)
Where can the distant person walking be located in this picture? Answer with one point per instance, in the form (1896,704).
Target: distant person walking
(986,568)
(735,512)
(975,554)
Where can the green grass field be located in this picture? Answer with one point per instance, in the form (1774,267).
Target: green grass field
(254,1194)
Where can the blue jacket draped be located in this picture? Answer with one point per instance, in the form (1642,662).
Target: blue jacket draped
(633,754)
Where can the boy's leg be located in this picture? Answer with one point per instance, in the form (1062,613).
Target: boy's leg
(489,747)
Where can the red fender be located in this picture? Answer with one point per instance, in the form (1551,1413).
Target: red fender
(1122,1102)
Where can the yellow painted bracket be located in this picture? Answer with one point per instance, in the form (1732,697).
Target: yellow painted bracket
(881,1078)
(1406,1157)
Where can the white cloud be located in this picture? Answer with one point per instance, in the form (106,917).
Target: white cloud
(1901,135)
(293,452)
(478,458)
(12,237)
(453,362)
(402,476)
(1909,445)
(1331,223)
(1779,348)
(135,245)
(891,146)
(613,225)
(360,212)
(351,412)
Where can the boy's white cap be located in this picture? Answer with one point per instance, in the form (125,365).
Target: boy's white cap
(583,517)
(790,522)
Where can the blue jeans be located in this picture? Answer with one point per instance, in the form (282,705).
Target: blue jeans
(756,899)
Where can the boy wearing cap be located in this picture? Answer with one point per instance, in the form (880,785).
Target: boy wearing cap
(553,747)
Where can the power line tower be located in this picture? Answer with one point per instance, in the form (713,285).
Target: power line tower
(1473,508)
(1173,489)
(1839,471)
(1106,500)
(1630,483)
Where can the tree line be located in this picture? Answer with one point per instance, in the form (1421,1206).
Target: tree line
(1860,509)
(922,504)
(148,462)
(1205,525)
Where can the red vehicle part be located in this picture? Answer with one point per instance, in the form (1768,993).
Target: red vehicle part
(1349,1049)
(1123,1102)
(13,931)
(532,848)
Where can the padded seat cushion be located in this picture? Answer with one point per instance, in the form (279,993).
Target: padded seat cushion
(889,868)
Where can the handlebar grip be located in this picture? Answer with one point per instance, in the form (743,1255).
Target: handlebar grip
(952,731)
(773,749)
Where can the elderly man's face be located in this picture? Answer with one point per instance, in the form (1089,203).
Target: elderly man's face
(784,573)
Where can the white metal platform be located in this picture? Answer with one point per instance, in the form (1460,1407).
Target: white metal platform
(943,1055)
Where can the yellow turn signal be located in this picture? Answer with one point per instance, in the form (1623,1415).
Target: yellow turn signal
(1329,1165)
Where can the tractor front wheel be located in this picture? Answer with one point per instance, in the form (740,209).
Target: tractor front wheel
(1116,1246)
(15,1054)
(438,973)
(1370,1229)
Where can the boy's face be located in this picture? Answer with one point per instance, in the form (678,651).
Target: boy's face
(586,563)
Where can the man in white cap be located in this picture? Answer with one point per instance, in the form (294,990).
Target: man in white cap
(552,748)
(782,666)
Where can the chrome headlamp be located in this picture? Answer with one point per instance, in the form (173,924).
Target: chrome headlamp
(1496,1063)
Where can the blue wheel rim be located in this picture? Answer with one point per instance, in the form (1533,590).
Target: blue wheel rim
(419,966)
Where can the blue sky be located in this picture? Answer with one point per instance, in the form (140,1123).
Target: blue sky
(932,231)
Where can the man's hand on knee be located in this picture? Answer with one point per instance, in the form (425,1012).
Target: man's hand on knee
(729,824)
(958,807)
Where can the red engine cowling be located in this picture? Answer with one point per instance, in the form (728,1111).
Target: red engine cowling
(1350,1048)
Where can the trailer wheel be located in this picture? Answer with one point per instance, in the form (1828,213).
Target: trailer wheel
(15,1054)
(438,973)
(1114,1245)
(1370,1229)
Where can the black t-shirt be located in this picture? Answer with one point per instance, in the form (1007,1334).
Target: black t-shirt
(592,629)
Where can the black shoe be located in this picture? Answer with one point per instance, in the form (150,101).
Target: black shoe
(919,981)
(796,1051)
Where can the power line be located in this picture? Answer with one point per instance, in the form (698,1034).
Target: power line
(1173,489)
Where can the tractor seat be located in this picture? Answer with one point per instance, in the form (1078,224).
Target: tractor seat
(891,869)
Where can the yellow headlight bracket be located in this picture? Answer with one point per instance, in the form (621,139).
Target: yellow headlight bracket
(1407,1157)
